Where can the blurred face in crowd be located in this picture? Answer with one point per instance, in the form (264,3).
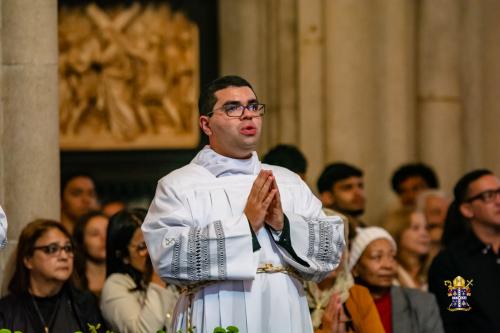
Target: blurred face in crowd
(409,189)
(94,238)
(79,197)
(113,207)
(138,251)
(376,267)
(348,196)
(435,211)
(416,238)
(52,259)
(235,137)
(483,204)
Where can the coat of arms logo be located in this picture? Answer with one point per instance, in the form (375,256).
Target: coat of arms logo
(458,291)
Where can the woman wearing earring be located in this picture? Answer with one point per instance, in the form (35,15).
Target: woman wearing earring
(373,264)
(134,298)
(42,297)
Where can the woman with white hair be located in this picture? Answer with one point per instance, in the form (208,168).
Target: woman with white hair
(373,264)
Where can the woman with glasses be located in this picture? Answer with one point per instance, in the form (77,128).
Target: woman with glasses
(134,298)
(42,297)
(90,260)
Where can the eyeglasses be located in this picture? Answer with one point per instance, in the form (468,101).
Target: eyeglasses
(485,196)
(140,247)
(237,110)
(55,249)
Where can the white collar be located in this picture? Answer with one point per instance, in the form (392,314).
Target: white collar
(222,166)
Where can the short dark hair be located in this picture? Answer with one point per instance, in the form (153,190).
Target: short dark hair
(336,172)
(461,189)
(20,281)
(456,225)
(287,156)
(67,178)
(414,170)
(207,98)
(121,229)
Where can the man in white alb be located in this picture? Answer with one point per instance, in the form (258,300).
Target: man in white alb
(238,235)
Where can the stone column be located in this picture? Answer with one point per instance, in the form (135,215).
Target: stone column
(490,135)
(310,62)
(472,89)
(352,95)
(439,97)
(30,130)
(396,101)
(349,78)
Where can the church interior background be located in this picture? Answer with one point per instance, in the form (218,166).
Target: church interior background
(110,88)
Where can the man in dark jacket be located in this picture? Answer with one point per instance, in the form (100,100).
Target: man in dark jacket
(465,275)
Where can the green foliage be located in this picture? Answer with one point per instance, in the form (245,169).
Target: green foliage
(219,329)
(229,329)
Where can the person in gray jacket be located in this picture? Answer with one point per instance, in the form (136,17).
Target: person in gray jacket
(402,310)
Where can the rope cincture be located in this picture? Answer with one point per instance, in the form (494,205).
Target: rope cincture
(192,289)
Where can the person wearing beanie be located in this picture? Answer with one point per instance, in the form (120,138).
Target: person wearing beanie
(373,264)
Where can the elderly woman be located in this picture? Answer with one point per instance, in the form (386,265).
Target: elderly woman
(134,298)
(409,229)
(42,297)
(373,264)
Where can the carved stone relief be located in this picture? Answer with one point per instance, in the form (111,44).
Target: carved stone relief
(128,78)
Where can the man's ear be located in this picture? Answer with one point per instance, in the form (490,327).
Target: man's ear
(326,198)
(466,210)
(205,125)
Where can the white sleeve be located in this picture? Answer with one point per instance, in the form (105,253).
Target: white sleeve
(183,253)
(3,228)
(312,242)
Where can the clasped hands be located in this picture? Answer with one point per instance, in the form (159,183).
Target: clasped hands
(264,203)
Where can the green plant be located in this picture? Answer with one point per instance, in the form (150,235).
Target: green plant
(229,329)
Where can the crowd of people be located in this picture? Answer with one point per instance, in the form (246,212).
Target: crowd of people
(230,240)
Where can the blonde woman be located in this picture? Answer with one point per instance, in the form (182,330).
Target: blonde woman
(409,229)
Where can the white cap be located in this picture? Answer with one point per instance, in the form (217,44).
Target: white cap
(364,236)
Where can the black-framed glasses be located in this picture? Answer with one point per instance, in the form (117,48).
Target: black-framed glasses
(485,196)
(237,110)
(55,249)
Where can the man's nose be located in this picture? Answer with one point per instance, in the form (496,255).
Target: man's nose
(247,114)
